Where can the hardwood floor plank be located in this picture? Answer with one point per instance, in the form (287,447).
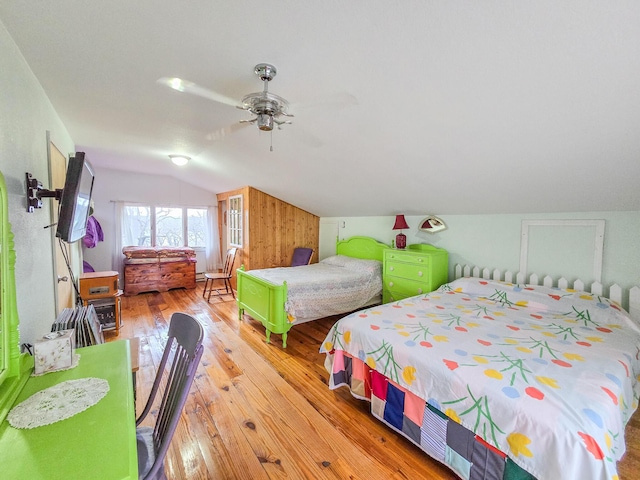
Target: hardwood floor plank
(228,452)
(258,411)
(280,421)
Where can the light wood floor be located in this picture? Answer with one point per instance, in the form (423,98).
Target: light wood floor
(257,411)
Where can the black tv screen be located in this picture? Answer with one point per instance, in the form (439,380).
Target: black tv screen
(75,200)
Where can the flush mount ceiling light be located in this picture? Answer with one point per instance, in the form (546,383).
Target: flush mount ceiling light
(179,160)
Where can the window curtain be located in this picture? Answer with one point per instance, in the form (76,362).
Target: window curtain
(116,256)
(212,248)
(124,237)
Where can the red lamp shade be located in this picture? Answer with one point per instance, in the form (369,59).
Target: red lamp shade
(400,223)
(401,238)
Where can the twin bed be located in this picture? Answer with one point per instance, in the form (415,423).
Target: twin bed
(496,380)
(283,297)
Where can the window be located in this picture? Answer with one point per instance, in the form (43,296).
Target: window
(197,227)
(149,225)
(169,227)
(234,215)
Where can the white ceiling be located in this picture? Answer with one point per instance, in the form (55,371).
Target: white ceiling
(447,107)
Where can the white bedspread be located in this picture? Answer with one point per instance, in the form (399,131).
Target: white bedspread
(336,285)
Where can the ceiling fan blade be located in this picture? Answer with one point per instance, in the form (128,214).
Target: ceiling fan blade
(224,132)
(336,101)
(307,138)
(194,89)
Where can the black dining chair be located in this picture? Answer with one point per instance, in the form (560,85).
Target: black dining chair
(172,384)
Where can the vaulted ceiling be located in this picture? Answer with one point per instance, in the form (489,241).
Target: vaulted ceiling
(447,107)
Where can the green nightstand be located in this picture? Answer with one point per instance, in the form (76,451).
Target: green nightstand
(420,268)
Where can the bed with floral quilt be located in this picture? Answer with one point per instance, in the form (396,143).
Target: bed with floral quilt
(497,380)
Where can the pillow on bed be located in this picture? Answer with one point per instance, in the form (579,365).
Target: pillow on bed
(584,306)
(357,264)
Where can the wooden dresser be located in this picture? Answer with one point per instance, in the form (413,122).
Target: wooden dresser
(419,269)
(159,269)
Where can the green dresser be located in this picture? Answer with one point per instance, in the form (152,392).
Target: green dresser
(420,268)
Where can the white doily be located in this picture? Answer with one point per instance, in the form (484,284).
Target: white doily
(57,403)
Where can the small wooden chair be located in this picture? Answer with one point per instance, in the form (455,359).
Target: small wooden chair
(225,276)
(301,256)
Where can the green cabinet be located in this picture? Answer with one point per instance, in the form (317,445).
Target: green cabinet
(418,269)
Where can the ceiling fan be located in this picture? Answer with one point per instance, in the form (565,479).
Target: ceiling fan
(268,110)
(266,107)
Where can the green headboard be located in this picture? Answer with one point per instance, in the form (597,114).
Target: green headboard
(361,247)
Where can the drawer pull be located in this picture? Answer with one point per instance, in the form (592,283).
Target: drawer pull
(419,290)
(420,260)
(391,284)
(420,274)
(391,269)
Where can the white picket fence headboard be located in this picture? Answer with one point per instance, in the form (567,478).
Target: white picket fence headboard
(629,299)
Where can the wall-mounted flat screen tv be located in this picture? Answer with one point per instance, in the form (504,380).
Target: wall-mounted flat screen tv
(76,199)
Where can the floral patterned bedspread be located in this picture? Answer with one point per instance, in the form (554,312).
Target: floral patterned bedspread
(335,285)
(548,376)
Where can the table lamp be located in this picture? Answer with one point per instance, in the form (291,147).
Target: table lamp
(401,238)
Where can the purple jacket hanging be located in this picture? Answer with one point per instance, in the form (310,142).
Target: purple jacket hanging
(94,233)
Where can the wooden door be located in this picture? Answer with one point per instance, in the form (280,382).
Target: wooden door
(224,234)
(64,287)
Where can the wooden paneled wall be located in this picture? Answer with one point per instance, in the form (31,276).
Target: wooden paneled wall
(272,229)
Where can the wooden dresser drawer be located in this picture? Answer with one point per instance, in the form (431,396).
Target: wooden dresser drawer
(159,276)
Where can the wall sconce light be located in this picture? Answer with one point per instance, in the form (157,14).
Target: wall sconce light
(432,224)
(179,160)
(401,238)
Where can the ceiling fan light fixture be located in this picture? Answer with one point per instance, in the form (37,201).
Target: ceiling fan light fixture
(267,107)
(265,122)
(180,160)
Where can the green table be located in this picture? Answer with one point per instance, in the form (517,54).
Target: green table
(97,443)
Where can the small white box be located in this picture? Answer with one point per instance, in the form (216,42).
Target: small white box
(54,351)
